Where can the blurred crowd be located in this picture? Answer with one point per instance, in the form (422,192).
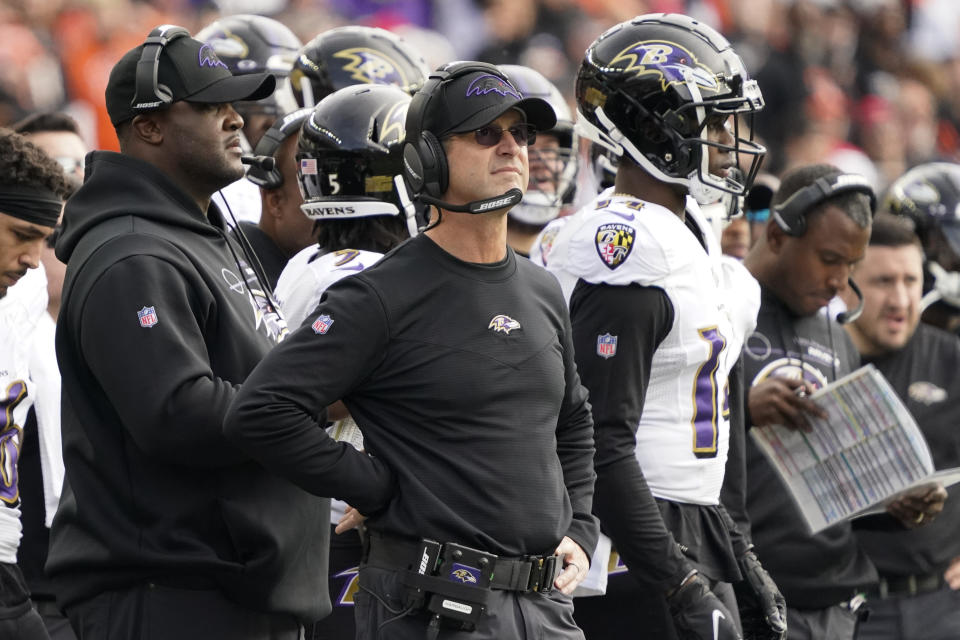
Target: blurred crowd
(872,86)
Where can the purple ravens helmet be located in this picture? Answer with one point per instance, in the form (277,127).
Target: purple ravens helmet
(648,88)
(352,55)
(350,154)
(559,166)
(255,44)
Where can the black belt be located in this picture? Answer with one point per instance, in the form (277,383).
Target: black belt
(525,574)
(911,585)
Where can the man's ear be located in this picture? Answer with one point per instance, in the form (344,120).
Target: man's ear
(148,127)
(775,236)
(273,200)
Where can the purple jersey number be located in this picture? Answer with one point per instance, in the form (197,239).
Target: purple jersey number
(706,404)
(11,436)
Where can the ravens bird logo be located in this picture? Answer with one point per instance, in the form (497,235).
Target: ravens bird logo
(208,57)
(486,83)
(369,66)
(504,324)
(463,575)
(673,63)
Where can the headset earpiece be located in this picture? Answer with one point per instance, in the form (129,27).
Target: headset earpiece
(434,162)
(791,214)
(149,93)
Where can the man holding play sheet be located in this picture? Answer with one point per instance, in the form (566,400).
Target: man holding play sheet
(819,226)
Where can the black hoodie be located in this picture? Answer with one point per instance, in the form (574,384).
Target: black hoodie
(161,320)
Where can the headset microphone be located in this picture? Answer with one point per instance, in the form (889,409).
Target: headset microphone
(845,317)
(264,163)
(508,199)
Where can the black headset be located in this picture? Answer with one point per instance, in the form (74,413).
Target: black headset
(271,178)
(791,214)
(149,94)
(424,160)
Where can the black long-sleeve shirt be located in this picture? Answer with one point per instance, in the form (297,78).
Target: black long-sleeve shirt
(462,379)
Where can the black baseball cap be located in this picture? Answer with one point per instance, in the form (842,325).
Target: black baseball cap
(476,99)
(191,70)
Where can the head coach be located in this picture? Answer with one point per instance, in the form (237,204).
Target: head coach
(454,358)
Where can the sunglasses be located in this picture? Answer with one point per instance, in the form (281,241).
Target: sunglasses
(491,135)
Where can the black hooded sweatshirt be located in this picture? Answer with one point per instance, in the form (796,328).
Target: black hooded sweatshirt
(161,320)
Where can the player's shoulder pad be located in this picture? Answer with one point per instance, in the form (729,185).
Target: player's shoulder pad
(335,265)
(744,295)
(619,241)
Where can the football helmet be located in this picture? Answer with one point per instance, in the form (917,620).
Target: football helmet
(256,44)
(929,194)
(350,155)
(547,165)
(352,55)
(649,89)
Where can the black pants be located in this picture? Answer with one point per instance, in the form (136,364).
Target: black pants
(18,619)
(510,615)
(153,612)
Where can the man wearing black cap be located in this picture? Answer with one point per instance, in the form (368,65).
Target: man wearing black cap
(454,358)
(32,186)
(163,526)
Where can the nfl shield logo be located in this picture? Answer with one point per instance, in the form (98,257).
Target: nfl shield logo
(614,243)
(322,324)
(606,346)
(147,317)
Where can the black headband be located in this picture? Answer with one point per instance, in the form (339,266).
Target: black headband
(37,205)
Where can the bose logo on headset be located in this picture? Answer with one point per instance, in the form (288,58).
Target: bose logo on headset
(148,66)
(790,215)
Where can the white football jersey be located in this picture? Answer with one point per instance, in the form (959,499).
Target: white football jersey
(307,275)
(20,311)
(242,199)
(684,432)
(299,289)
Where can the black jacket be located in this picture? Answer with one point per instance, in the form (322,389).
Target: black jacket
(161,320)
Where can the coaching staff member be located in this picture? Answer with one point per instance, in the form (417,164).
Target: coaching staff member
(818,229)
(913,599)
(164,528)
(454,358)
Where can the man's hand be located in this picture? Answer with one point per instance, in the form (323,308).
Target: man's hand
(351,519)
(782,401)
(919,507)
(763,611)
(952,574)
(575,565)
(698,614)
